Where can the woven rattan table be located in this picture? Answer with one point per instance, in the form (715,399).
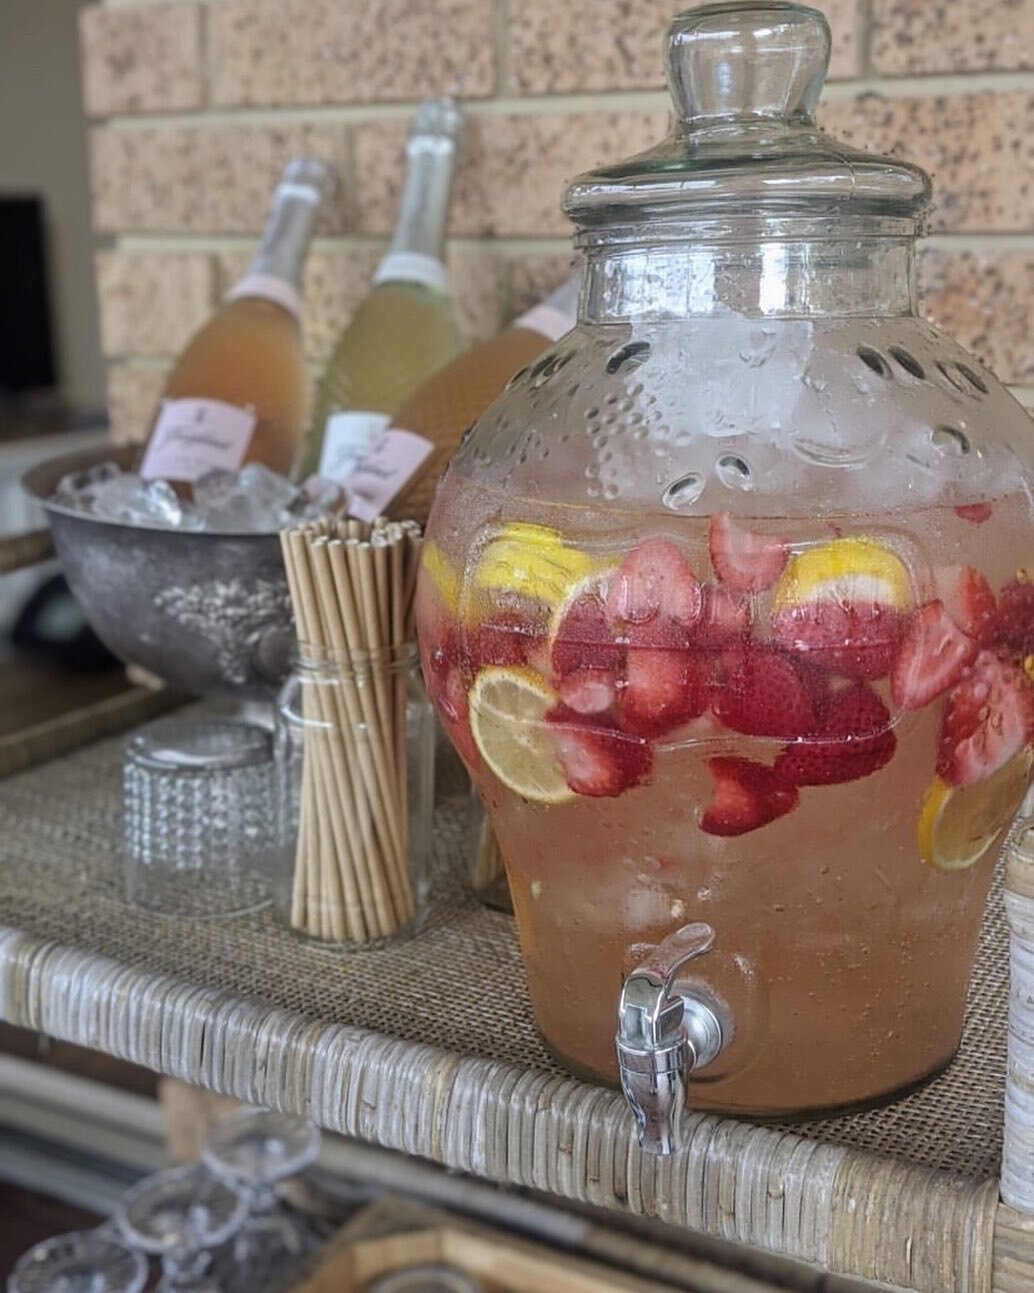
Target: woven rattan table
(430,1048)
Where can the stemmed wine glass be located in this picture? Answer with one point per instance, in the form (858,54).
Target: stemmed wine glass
(85,1261)
(252,1151)
(181,1215)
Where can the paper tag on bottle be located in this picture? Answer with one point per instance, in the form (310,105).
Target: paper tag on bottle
(192,437)
(347,439)
(547,321)
(380,476)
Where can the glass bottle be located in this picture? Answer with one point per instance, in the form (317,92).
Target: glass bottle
(725,605)
(239,391)
(355,741)
(404,329)
(448,403)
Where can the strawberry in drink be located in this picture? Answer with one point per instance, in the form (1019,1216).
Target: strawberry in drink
(813,742)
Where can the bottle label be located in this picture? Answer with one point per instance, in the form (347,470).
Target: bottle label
(271,288)
(194,436)
(347,439)
(382,473)
(547,321)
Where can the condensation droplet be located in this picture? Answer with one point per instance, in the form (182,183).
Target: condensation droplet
(681,494)
(734,472)
(610,491)
(950,440)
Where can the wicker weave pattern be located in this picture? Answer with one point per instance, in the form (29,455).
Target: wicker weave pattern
(430,1048)
(846,1210)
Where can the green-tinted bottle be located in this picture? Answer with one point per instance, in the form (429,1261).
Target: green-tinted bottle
(404,329)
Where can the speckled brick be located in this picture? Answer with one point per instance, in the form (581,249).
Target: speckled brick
(146,59)
(201,179)
(325,51)
(916,36)
(533,275)
(979,148)
(985,299)
(493,195)
(563,49)
(133,395)
(151,303)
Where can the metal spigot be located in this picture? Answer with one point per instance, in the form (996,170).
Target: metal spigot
(665,1033)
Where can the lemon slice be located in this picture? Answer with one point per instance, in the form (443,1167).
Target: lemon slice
(856,571)
(508,708)
(594,584)
(533,561)
(958,824)
(443,575)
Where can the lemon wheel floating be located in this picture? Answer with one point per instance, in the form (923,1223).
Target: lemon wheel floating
(532,561)
(852,570)
(508,709)
(958,824)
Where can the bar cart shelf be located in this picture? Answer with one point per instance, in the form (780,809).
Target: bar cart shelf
(430,1048)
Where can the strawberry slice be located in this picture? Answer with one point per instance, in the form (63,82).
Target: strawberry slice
(743,560)
(508,640)
(746,796)
(584,639)
(933,654)
(852,738)
(725,617)
(597,760)
(665,683)
(967,598)
(760,692)
(975,513)
(654,581)
(858,641)
(453,711)
(589,691)
(1012,628)
(988,719)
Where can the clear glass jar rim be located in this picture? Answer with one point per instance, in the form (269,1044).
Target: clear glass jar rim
(311,657)
(192,747)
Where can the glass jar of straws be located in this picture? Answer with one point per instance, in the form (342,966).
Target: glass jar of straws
(355,740)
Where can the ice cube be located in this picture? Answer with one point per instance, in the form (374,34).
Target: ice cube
(77,489)
(265,487)
(129,499)
(215,489)
(318,496)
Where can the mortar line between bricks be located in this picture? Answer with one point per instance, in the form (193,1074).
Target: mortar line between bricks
(214,244)
(929,87)
(510,247)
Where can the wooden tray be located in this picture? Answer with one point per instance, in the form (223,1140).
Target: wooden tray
(393,1235)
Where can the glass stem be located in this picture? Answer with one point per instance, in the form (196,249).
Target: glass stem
(261,1197)
(185,1269)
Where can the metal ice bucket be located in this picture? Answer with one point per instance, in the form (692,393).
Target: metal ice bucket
(208,613)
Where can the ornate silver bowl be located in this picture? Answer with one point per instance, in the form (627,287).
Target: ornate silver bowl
(208,613)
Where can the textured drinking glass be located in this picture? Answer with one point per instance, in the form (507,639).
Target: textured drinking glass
(180,1216)
(201,817)
(252,1151)
(82,1262)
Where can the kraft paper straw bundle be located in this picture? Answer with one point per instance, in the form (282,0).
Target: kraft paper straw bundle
(352,586)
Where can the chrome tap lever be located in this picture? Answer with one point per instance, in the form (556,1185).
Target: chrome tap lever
(664,1034)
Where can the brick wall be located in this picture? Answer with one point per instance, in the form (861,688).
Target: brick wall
(197,105)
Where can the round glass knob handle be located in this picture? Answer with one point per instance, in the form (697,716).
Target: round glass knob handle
(741,60)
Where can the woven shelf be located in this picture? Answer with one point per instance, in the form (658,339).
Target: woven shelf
(430,1048)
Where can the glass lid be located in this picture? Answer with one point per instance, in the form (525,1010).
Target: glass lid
(745,79)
